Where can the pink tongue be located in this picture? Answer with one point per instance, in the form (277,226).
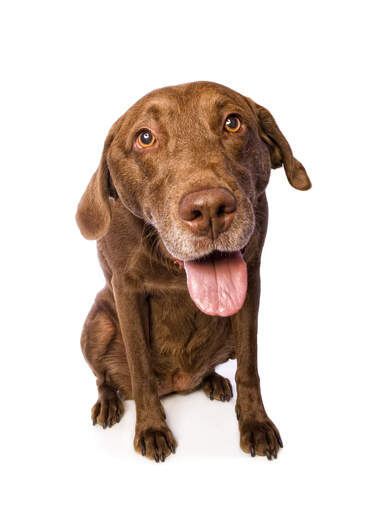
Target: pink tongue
(218,284)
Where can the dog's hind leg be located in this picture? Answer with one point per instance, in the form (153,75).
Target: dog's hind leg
(103,350)
(217,387)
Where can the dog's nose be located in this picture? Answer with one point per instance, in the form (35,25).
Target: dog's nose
(208,211)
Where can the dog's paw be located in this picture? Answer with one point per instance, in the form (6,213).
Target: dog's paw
(260,438)
(156,443)
(107,411)
(217,387)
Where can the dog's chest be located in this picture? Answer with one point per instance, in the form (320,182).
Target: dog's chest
(185,342)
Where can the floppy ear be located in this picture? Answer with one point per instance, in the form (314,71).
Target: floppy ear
(280,150)
(94,214)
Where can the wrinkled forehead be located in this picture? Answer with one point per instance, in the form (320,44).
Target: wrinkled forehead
(180,104)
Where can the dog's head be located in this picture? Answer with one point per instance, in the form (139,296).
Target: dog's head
(192,160)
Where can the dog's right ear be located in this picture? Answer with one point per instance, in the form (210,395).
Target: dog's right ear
(94,214)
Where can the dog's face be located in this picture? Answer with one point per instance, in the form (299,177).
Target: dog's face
(191,160)
(176,155)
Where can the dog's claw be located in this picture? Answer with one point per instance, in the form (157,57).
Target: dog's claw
(156,443)
(252,450)
(107,410)
(217,387)
(261,434)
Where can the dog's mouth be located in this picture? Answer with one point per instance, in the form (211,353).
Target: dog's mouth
(217,283)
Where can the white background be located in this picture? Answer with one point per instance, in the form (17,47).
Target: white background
(69,69)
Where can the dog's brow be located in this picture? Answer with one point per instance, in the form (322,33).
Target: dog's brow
(221,103)
(155,110)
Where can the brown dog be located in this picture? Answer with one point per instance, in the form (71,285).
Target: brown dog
(178,207)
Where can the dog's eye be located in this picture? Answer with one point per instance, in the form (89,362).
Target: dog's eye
(146,139)
(232,124)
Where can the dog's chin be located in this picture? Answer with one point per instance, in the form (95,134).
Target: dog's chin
(213,254)
(193,250)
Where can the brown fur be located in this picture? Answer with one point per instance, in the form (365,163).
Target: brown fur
(144,337)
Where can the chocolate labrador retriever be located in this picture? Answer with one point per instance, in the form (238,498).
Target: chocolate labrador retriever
(179,210)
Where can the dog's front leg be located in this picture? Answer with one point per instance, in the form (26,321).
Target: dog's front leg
(152,435)
(258,434)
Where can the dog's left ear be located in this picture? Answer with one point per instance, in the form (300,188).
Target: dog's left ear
(280,150)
